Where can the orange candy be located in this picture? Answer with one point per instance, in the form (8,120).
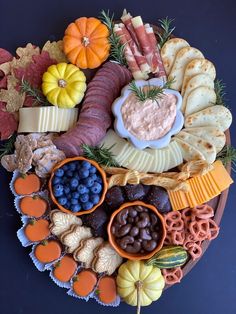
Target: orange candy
(34,206)
(107,289)
(48,251)
(84,283)
(65,268)
(27,184)
(37,230)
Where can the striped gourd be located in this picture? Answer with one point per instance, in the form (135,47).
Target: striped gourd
(169,257)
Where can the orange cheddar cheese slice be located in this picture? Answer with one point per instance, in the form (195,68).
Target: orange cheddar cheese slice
(202,188)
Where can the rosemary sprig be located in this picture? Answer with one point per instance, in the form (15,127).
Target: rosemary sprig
(7,147)
(167,30)
(34,93)
(220,93)
(117,49)
(152,92)
(227,155)
(102,155)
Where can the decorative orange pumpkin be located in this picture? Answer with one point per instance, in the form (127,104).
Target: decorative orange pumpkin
(86,43)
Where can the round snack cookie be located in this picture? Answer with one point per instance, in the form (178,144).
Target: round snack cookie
(84,283)
(34,206)
(27,184)
(37,230)
(65,268)
(48,251)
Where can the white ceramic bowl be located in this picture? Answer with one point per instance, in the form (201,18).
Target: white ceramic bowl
(141,144)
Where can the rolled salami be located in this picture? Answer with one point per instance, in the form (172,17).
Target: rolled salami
(95,116)
(126,19)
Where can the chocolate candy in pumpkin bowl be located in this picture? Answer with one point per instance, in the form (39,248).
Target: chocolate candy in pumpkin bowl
(136,230)
(77,185)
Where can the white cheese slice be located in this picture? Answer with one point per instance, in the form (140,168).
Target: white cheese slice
(176,156)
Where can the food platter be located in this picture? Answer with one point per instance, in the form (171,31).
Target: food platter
(116,136)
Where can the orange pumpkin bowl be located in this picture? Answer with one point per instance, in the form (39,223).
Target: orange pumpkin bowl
(123,253)
(100,170)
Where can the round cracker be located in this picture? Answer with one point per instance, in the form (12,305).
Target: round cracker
(195,67)
(170,50)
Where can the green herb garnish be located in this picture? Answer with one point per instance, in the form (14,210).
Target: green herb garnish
(117,49)
(8,146)
(220,93)
(34,93)
(153,92)
(228,155)
(102,155)
(167,30)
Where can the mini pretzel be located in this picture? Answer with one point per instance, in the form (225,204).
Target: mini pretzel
(177,237)
(189,238)
(194,249)
(173,221)
(186,216)
(172,275)
(213,230)
(199,229)
(168,240)
(203,211)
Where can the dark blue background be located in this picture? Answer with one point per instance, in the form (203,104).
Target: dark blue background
(211,286)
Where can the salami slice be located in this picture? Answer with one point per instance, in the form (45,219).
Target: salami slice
(95,116)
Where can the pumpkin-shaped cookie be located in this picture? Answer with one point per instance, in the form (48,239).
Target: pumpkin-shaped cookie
(64,85)
(34,206)
(86,43)
(27,184)
(134,277)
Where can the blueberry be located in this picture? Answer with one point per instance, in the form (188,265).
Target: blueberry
(84,198)
(76,176)
(74,201)
(58,187)
(87,205)
(69,196)
(94,198)
(75,195)
(88,182)
(69,173)
(62,200)
(67,205)
(99,179)
(72,166)
(65,167)
(66,189)
(92,169)
(85,164)
(83,173)
(74,182)
(59,172)
(82,189)
(96,188)
(75,208)
(93,176)
(58,193)
(56,180)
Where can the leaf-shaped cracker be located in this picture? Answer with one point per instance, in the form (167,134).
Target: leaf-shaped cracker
(73,239)
(13,99)
(8,123)
(107,260)
(55,50)
(60,222)
(85,253)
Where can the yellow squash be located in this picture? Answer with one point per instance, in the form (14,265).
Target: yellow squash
(136,280)
(64,85)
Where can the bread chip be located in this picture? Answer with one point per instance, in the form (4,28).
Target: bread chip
(189,152)
(72,239)
(183,57)
(194,82)
(169,51)
(200,98)
(107,260)
(211,134)
(61,222)
(198,66)
(85,252)
(206,148)
(218,116)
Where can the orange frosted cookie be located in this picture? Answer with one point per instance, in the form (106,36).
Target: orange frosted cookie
(27,184)
(65,268)
(84,283)
(34,206)
(37,230)
(107,289)
(48,251)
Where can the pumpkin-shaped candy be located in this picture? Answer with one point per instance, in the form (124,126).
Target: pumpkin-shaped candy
(86,43)
(64,85)
(139,284)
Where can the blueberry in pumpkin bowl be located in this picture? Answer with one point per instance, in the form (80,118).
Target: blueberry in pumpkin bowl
(77,185)
(136,230)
